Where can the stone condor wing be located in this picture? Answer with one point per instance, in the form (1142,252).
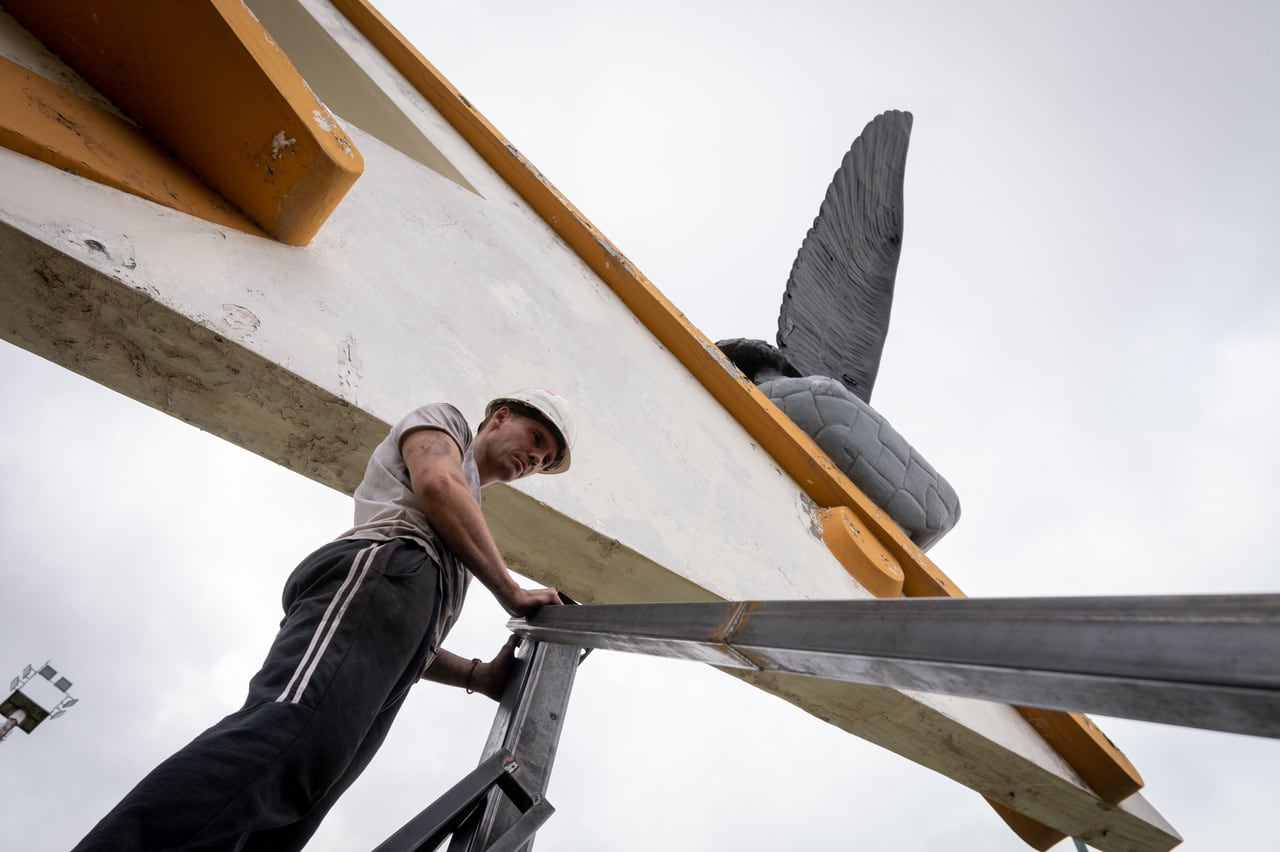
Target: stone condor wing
(835,311)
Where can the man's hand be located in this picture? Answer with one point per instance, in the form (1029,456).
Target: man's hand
(526,601)
(491,678)
(486,678)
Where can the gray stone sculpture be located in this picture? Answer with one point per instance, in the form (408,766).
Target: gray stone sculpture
(831,331)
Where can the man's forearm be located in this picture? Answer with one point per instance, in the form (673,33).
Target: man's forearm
(473,675)
(435,470)
(457,518)
(450,669)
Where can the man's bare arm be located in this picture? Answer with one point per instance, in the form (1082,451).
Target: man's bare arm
(435,472)
(486,678)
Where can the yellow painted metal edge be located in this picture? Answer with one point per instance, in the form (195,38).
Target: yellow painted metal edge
(1030,832)
(206,79)
(1087,750)
(44,121)
(860,553)
(1074,734)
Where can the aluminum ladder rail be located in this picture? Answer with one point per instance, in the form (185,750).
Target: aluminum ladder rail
(501,804)
(1210,661)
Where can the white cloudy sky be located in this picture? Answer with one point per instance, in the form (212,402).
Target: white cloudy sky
(1086,342)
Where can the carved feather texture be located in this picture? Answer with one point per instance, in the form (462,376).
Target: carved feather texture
(835,311)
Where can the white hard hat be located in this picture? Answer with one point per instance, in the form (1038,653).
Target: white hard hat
(555,409)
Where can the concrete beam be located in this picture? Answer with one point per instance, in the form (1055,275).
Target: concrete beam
(419,290)
(197,321)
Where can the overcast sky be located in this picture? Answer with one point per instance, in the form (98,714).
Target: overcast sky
(1085,341)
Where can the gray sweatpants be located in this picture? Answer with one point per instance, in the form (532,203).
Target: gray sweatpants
(359,628)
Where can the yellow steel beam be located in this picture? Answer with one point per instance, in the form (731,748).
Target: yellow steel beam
(208,82)
(860,552)
(42,120)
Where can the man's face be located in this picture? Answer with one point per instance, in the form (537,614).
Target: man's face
(515,447)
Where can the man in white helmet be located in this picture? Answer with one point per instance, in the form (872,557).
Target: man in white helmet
(364,619)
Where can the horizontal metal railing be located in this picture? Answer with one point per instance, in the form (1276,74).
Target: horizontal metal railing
(1201,661)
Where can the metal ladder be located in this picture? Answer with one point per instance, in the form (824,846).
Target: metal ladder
(1210,661)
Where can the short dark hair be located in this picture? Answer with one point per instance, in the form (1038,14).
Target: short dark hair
(533,414)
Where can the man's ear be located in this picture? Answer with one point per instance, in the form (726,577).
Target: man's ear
(499,416)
